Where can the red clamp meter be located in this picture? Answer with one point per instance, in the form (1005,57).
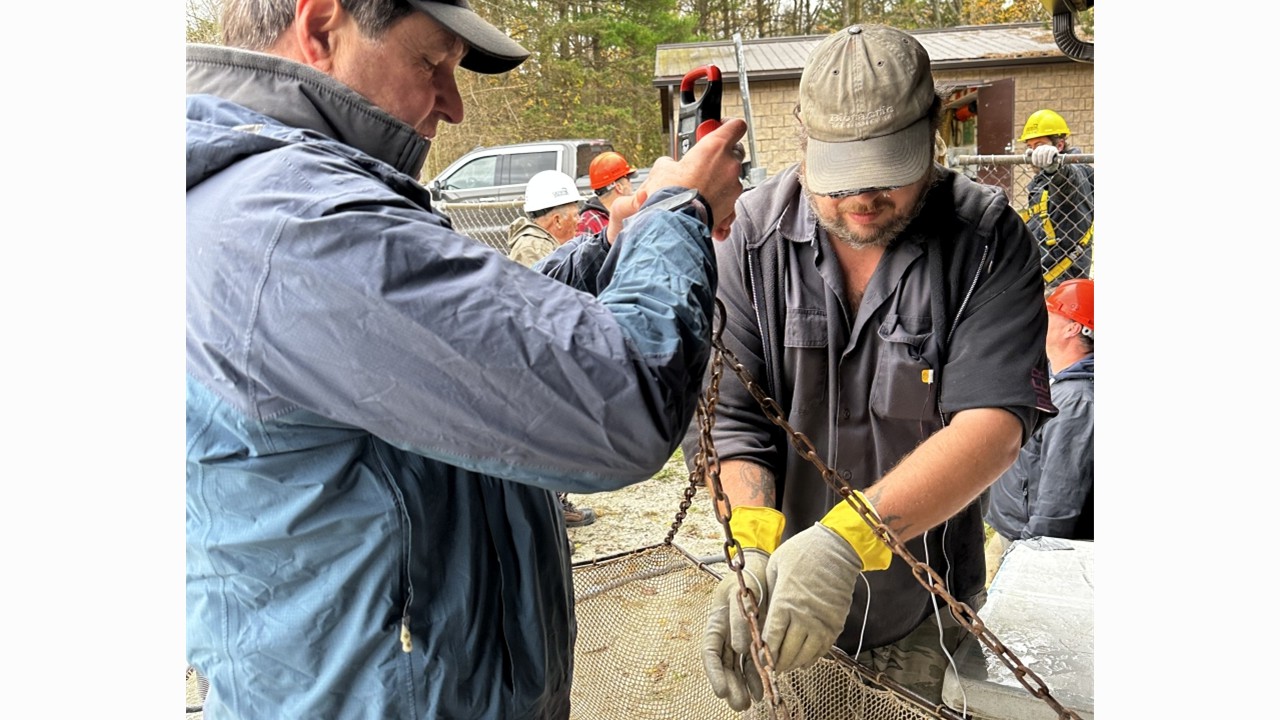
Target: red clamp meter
(701,115)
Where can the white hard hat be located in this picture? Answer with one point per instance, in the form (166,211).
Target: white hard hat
(548,189)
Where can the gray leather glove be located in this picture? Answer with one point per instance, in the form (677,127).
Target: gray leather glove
(811,579)
(1045,157)
(726,647)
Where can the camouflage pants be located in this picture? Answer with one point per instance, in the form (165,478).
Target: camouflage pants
(917,661)
(995,549)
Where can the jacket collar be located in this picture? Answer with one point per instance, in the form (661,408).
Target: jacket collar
(1082,368)
(524,227)
(303,97)
(796,223)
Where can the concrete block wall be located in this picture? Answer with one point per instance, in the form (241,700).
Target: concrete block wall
(772,104)
(1066,88)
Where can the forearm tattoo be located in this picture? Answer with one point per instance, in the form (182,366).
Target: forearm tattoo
(758,485)
(894,522)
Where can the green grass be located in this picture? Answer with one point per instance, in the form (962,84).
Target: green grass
(674,470)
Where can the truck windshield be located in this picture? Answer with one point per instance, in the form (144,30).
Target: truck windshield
(526,165)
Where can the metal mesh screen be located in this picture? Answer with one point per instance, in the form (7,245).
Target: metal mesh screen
(641,617)
(197,689)
(832,690)
(640,622)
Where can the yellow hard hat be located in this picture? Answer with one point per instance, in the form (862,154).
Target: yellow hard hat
(1042,123)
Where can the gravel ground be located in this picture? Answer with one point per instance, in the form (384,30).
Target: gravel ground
(641,515)
(633,517)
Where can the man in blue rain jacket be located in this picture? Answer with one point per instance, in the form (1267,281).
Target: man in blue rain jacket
(372,524)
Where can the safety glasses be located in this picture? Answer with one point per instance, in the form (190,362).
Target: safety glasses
(860,191)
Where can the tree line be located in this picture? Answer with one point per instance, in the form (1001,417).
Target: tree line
(592,67)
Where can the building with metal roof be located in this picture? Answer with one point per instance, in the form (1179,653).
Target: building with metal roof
(993,76)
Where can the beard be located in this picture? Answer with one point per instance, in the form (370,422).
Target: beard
(882,236)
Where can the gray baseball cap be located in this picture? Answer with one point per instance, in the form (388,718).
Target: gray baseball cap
(490,50)
(865,95)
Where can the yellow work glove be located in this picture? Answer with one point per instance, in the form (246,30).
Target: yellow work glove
(726,646)
(811,578)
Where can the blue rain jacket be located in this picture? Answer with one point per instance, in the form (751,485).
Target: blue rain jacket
(1049,489)
(380,410)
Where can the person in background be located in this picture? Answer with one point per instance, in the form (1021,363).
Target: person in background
(894,311)
(1059,200)
(379,409)
(551,206)
(1049,490)
(611,177)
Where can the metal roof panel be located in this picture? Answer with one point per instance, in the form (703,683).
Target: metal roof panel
(785,56)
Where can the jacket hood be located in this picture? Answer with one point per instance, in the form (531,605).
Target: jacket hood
(1081,369)
(284,92)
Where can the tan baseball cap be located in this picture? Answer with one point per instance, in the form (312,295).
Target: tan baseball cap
(865,95)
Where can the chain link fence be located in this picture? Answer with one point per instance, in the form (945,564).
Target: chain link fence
(1056,203)
(1057,206)
(485,222)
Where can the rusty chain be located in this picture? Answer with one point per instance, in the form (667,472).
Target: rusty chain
(707,463)
(706,468)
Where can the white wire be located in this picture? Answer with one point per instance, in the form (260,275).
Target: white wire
(866,612)
(937,614)
(760,589)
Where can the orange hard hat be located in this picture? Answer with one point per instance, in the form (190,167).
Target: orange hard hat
(606,168)
(1073,299)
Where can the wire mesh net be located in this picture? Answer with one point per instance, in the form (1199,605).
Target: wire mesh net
(833,690)
(641,618)
(640,622)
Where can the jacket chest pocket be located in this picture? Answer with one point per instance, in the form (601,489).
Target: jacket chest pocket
(804,371)
(905,385)
(805,328)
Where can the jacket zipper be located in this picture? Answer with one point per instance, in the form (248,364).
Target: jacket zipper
(955,322)
(406,545)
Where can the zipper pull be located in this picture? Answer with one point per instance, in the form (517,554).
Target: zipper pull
(406,640)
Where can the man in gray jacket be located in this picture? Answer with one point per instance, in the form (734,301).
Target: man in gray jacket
(1049,490)
(372,527)
(895,312)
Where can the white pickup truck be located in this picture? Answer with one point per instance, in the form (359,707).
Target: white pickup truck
(481,191)
(499,174)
